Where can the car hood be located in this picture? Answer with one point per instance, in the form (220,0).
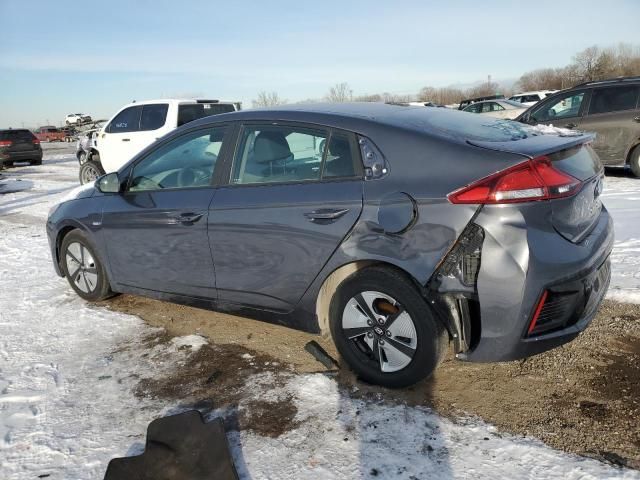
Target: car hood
(82,191)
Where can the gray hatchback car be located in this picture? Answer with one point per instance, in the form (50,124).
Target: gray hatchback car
(396,230)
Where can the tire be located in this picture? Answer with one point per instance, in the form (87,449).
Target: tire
(82,267)
(408,323)
(634,161)
(89,171)
(8,164)
(35,162)
(82,157)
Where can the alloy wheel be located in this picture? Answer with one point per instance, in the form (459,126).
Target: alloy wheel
(380,330)
(89,174)
(82,268)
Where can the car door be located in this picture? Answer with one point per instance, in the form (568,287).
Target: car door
(156,231)
(563,111)
(294,193)
(613,114)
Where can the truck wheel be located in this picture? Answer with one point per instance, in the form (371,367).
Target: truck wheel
(634,161)
(90,171)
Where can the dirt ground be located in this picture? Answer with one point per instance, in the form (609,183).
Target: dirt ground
(583,397)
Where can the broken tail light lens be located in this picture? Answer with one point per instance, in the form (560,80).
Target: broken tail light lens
(5,143)
(531,180)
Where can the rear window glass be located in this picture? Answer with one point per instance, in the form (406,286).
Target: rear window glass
(16,134)
(613,99)
(458,125)
(580,162)
(190,112)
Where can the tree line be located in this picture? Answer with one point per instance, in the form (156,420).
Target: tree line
(591,64)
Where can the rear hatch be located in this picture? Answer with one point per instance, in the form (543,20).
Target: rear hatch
(575,214)
(17,140)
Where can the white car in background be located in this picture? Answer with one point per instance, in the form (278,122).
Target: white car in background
(531,98)
(137,125)
(501,108)
(77,119)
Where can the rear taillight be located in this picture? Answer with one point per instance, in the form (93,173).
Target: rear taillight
(528,181)
(36,141)
(5,143)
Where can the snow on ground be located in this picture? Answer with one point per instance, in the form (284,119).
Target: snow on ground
(67,371)
(621,196)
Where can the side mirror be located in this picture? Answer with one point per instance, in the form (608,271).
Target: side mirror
(109,183)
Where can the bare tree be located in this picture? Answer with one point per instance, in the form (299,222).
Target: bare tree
(268,99)
(339,93)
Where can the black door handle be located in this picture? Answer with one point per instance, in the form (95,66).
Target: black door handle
(187,218)
(570,125)
(126,139)
(325,214)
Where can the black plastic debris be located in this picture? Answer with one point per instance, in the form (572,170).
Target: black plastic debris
(321,355)
(179,447)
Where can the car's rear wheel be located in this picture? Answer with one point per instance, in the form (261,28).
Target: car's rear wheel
(90,171)
(82,268)
(634,161)
(36,162)
(384,329)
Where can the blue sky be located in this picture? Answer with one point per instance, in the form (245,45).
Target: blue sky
(93,57)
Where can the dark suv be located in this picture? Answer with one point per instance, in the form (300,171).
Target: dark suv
(610,108)
(19,146)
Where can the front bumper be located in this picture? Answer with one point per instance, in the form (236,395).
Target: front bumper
(522,257)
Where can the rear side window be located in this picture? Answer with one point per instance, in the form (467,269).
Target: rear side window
(604,100)
(341,157)
(277,154)
(127,120)
(193,111)
(153,116)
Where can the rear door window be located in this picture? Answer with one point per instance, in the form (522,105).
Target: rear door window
(127,120)
(153,116)
(613,99)
(277,154)
(193,111)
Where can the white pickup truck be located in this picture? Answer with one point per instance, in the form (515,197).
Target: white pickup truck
(139,124)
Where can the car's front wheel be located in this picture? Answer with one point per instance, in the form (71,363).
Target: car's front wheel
(82,268)
(90,171)
(384,329)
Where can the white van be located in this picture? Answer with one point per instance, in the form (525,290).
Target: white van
(139,124)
